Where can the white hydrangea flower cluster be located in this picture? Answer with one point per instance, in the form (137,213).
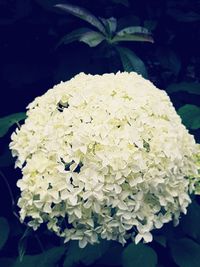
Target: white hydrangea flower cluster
(104,157)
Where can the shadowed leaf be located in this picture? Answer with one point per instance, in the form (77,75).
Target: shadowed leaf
(192,88)
(139,255)
(8,121)
(73,36)
(131,62)
(83,14)
(190,115)
(134,33)
(92,38)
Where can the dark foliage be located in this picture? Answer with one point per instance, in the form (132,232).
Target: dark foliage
(34,56)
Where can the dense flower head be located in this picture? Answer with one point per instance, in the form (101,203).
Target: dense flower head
(104,157)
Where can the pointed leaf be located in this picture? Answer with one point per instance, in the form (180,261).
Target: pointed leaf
(110,25)
(92,38)
(190,115)
(4,231)
(185,252)
(73,36)
(192,88)
(131,62)
(132,30)
(83,14)
(133,33)
(8,121)
(139,255)
(136,37)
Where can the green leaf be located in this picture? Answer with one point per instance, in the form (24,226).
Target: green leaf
(87,255)
(136,37)
(132,30)
(8,121)
(110,25)
(133,33)
(190,115)
(131,62)
(185,252)
(83,14)
(73,36)
(48,258)
(92,38)
(139,255)
(4,231)
(192,88)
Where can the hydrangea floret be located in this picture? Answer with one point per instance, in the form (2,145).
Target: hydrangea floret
(104,157)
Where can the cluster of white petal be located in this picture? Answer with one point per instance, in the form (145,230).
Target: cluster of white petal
(104,157)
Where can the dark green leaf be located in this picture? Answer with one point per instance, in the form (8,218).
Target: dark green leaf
(132,30)
(133,33)
(8,121)
(136,37)
(73,36)
(190,115)
(131,62)
(139,255)
(192,88)
(4,231)
(110,25)
(185,252)
(92,38)
(48,258)
(87,255)
(83,14)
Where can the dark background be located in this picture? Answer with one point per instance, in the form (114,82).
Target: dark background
(30,65)
(30,30)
